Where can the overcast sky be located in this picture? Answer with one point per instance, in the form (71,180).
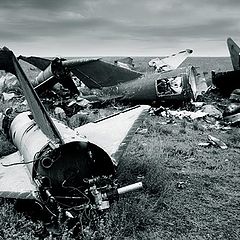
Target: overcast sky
(118,27)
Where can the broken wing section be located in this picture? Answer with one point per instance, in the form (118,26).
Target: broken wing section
(115,132)
(41,63)
(234,51)
(15,180)
(94,73)
(40,115)
(170,63)
(98,74)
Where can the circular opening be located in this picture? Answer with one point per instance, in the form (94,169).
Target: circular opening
(47,162)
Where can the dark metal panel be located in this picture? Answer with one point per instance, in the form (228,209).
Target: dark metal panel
(98,74)
(38,62)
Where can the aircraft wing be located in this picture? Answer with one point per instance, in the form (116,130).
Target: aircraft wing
(98,74)
(94,73)
(234,51)
(115,132)
(172,62)
(41,63)
(15,181)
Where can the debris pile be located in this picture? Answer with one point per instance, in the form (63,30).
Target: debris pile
(231,114)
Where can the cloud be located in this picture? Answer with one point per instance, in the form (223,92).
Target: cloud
(134,24)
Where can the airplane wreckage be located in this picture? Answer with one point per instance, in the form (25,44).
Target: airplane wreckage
(169,63)
(65,171)
(228,81)
(167,87)
(228,85)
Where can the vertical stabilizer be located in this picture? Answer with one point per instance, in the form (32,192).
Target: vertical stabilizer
(234,51)
(8,62)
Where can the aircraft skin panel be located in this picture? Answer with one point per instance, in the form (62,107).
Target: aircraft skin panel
(175,60)
(39,113)
(98,74)
(94,73)
(115,132)
(15,180)
(172,62)
(234,51)
(41,63)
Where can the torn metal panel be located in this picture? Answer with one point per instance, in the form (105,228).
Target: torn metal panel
(169,63)
(197,82)
(235,95)
(41,116)
(231,114)
(162,88)
(41,63)
(99,74)
(125,63)
(233,119)
(217,142)
(226,82)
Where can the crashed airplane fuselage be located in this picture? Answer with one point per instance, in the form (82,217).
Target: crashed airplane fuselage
(126,85)
(61,168)
(158,88)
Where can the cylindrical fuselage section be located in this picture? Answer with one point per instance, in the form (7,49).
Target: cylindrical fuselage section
(141,89)
(55,69)
(146,90)
(75,159)
(44,75)
(27,137)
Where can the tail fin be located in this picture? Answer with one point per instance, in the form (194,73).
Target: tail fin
(9,62)
(234,51)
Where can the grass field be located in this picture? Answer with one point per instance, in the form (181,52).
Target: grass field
(190,191)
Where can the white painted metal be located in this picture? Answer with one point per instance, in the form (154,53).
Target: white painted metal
(27,137)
